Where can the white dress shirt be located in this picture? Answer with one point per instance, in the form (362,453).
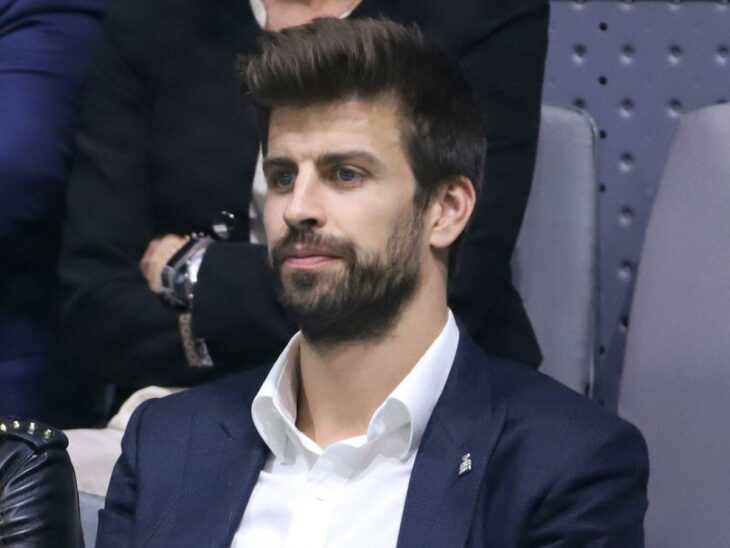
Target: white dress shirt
(352,493)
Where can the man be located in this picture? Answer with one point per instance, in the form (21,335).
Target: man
(382,423)
(163,147)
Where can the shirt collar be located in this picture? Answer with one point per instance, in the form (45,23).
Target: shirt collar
(274,409)
(409,405)
(413,400)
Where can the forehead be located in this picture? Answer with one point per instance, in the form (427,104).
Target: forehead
(370,124)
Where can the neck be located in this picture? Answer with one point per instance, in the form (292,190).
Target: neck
(313,4)
(289,13)
(342,385)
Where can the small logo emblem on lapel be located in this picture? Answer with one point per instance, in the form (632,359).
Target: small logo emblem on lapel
(465,465)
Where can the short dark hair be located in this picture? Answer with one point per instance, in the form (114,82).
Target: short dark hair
(334,59)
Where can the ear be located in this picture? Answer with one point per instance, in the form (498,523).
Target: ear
(450,210)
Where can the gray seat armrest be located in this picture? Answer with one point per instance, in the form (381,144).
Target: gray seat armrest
(89,506)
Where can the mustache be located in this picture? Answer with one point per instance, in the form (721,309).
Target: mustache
(326,244)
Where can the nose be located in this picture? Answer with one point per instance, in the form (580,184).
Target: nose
(305,208)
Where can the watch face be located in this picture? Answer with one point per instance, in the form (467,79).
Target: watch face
(180,253)
(183,291)
(180,273)
(174,274)
(168,277)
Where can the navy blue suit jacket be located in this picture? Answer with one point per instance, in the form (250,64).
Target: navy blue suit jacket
(550,468)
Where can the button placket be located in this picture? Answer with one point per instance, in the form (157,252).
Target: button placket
(313,515)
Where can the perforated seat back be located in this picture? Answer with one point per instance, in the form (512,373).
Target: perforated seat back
(676,380)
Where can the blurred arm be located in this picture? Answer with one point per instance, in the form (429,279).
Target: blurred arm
(505,70)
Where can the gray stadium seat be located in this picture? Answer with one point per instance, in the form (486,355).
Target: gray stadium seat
(676,376)
(89,506)
(555,260)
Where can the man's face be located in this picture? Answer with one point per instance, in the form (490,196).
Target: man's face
(344,236)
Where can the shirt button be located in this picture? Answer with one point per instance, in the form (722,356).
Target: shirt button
(321,493)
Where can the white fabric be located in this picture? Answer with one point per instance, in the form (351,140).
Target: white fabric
(94,451)
(352,493)
(257,232)
(259,12)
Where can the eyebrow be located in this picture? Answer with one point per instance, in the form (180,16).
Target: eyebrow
(350,156)
(328,159)
(278,161)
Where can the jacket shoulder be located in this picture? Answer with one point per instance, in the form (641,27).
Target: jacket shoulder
(38,501)
(560,426)
(36,435)
(216,398)
(562,467)
(547,420)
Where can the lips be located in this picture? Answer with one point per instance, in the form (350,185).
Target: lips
(307,249)
(307,256)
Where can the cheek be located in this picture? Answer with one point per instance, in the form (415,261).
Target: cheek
(274,224)
(370,223)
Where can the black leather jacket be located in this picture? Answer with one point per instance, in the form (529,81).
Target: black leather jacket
(38,499)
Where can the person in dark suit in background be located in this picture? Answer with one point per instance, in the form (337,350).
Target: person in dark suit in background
(164,147)
(382,423)
(44,49)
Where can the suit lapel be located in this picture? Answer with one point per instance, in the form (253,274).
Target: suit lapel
(223,463)
(440,503)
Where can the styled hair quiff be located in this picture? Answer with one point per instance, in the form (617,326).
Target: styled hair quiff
(332,59)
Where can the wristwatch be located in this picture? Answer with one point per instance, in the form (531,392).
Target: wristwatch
(179,277)
(180,274)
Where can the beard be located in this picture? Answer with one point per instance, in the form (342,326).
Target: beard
(360,301)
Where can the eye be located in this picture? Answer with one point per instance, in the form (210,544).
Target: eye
(282,178)
(348,175)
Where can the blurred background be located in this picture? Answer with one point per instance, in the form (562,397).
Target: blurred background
(635,67)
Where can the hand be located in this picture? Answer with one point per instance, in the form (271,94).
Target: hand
(156,256)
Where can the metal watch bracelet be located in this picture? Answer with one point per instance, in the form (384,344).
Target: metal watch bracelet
(179,275)
(196,351)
